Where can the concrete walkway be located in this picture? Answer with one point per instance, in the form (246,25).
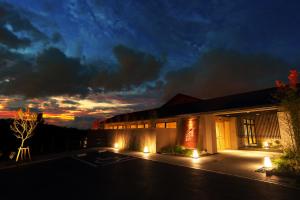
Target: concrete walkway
(240,163)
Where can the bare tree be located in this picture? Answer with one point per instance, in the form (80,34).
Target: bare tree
(23,126)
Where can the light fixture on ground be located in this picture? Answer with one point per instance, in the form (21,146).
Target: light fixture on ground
(146,149)
(195,154)
(266,145)
(267,162)
(116,145)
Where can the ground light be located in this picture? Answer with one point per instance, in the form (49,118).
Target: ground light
(146,149)
(267,162)
(266,145)
(116,145)
(195,154)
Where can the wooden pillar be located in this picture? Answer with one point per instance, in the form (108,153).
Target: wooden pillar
(210,133)
(233,132)
(201,135)
(180,131)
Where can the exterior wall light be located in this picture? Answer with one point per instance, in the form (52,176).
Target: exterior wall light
(195,154)
(146,149)
(267,162)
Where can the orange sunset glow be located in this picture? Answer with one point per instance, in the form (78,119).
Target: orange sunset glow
(64,110)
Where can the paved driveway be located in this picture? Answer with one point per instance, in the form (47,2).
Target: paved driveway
(240,163)
(112,176)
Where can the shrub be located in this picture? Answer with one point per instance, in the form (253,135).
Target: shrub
(287,164)
(179,150)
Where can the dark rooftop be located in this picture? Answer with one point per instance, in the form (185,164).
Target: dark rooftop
(182,104)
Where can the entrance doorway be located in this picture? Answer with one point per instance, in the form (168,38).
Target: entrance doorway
(223,134)
(226,133)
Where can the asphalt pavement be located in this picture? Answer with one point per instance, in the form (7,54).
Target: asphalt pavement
(107,175)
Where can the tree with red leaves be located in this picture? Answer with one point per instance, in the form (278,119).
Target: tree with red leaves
(96,124)
(290,103)
(279,84)
(293,79)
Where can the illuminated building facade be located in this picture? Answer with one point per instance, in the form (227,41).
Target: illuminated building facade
(248,120)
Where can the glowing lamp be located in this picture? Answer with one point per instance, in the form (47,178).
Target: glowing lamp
(195,154)
(146,149)
(267,162)
(116,145)
(266,145)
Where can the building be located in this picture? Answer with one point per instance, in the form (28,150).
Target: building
(248,120)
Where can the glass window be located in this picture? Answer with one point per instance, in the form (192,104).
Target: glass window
(120,127)
(115,127)
(249,131)
(146,125)
(171,125)
(160,125)
(133,126)
(141,126)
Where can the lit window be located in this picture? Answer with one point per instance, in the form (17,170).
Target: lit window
(115,127)
(146,125)
(120,127)
(106,126)
(160,125)
(133,126)
(249,131)
(128,126)
(171,125)
(141,126)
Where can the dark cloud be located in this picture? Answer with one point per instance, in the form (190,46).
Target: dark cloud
(12,66)
(9,15)
(218,72)
(134,68)
(8,58)
(221,72)
(10,40)
(10,18)
(56,37)
(70,102)
(53,73)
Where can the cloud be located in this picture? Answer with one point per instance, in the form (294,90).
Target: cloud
(11,40)
(52,73)
(134,68)
(56,37)
(222,72)
(70,102)
(12,17)
(8,59)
